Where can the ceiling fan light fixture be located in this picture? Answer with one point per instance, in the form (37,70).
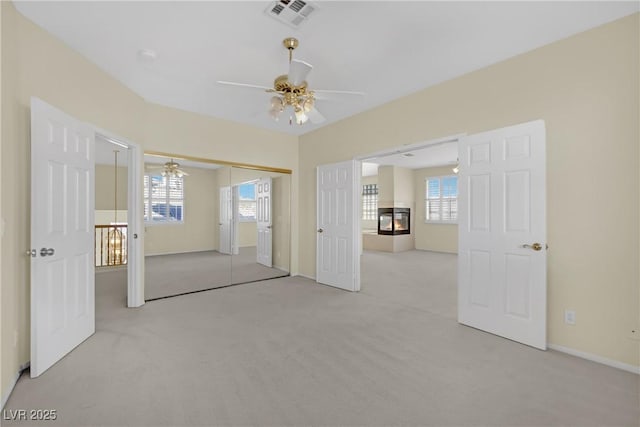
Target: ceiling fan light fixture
(277,107)
(291,89)
(308,104)
(277,102)
(301,117)
(275,113)
(172,169)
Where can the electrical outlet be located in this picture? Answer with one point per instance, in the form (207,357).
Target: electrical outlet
(570,317)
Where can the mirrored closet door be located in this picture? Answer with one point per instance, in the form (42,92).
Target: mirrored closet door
(210,225)
(186,206)
(261,230)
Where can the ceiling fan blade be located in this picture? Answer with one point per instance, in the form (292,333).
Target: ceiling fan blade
(328,94)
(298,72)
(315,116)
(246,85)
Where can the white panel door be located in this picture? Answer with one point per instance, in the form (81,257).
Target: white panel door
(502,255)
(337,248)
(226,220)
(264,222)
(62,235)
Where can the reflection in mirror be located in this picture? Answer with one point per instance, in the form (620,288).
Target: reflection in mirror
(261,224)
(186,208)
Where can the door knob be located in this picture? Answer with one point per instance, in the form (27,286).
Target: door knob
(320,230)
(47,252)
(536,246)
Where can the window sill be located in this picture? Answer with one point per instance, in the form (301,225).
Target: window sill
(162,223)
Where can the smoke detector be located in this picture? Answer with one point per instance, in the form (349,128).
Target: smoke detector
(291,12)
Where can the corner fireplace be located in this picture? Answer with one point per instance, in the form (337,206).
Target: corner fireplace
(394,221)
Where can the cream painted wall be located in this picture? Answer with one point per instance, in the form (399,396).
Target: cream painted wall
(586,90)
(105,185)
(36,64)
(432,237)
(395,187)
(403,191)
(247,234)
(199,231)
(107,216)
(210,138)
(385,186)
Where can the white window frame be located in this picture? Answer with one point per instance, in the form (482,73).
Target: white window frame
(254,201)
(441,199)
(374,202)
(148,200)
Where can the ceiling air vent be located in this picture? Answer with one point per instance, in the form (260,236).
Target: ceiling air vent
(293,13)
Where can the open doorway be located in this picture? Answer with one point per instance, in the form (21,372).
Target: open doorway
(408,221)
(62,225)
(499,206)
(409,199)
(111,232)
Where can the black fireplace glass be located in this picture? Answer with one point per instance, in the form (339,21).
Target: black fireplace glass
(393,221)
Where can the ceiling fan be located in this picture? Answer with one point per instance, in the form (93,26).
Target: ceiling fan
(171,169)
(291,90)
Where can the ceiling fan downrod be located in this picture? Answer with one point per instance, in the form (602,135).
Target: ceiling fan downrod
(290,43)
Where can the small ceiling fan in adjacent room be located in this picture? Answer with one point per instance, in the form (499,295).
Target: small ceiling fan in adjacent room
(170,169)
(291,91)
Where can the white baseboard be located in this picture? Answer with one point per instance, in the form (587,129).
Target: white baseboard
(9,390)
(595,358)
(305,276)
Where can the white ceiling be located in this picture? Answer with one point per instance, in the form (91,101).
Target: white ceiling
(387,49)
(439,154)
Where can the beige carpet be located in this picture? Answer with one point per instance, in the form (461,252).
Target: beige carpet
(289,352)
(176,274)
